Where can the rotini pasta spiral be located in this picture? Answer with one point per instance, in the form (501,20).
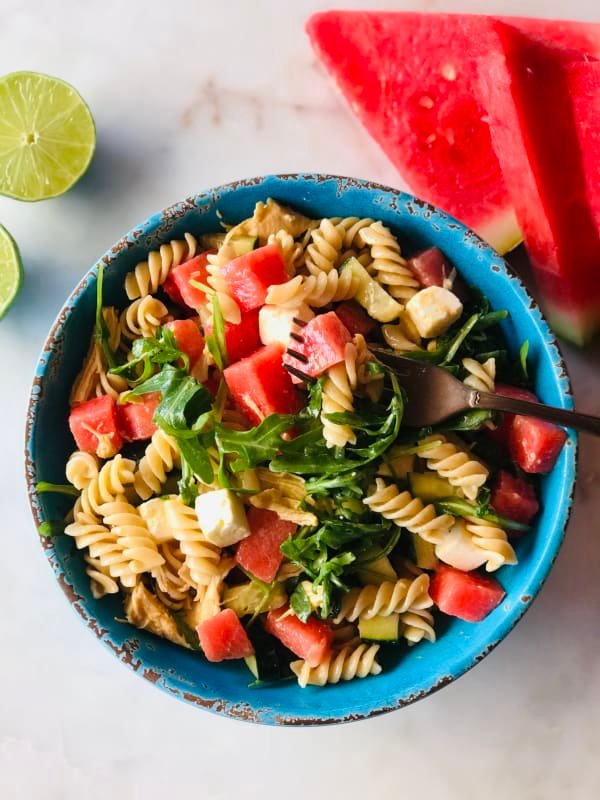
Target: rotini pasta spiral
(137,550)
(352,661)
(398,338)
(81,469)
(386,598)
(171,588)
(370,383)
(481,377)
(350,227)
(338,388)
(453,462)
(408,512)
(493,541)
(201,557)
(149,275)
(101,582)
(110,483)
(325,246)
(161,456)
(316,290)
(417,624)
(388,266)
(229,308)
(104,550)
(292,251)
(94,379)
(143,317)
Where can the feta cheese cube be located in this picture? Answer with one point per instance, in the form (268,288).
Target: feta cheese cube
(154,512)
(458,550)
(222,517)
(275,324)
(433,310)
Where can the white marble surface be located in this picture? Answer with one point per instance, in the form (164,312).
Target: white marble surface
(187,95)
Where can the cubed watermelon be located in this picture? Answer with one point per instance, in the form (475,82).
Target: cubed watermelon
(242,339)
(411,79)
(325,339)
(178,285)
(260,553)
(514,498)
(261,386)
(355,318)
(501,434)
(466,595)
(223,637)
(543,103)
(431,268)
(135,418)
(310,640)
(94,424)
(535,444)
(189,339)
(249,276)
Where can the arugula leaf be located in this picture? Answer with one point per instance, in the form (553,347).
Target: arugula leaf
(456,342)
(309,455)
(59,488)
(150,351)
(347,484)
(186,485)
(256,446)
(300,604)
(52,527)
(216,342)
(101,331)
(162,382)
(523,353)
(315,397)
(185,408)
(462,508)
(197,458)
(468,421)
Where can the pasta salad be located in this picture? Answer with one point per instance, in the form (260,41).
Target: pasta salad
(242,475)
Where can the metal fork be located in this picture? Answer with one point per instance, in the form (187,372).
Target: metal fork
(434,395)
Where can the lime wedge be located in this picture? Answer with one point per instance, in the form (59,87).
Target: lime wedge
(47,136)
(11,271)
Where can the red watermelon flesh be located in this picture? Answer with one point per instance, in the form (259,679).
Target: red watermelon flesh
(411,80)
(540,100)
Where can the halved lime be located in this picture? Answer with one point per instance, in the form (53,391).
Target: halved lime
(47,136)
(11,271)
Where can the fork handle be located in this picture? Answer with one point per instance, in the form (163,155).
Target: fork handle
(570,419)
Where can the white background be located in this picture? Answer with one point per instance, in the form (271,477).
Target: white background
(187,95)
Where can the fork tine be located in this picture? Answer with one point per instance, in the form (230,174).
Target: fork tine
(297,337)
(299,322)
(296,354)
(298,373)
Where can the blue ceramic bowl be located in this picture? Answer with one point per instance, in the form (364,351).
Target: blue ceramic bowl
(223,688)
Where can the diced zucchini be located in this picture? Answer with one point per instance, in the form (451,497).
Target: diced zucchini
(249,598)
(380,629)
(425,556)
(430,487)
(372,297)
(243,244)
(376,572)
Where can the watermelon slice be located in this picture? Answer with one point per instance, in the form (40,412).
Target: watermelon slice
(411,79)
(541,99)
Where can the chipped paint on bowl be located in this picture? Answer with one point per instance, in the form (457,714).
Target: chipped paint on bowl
(223,688)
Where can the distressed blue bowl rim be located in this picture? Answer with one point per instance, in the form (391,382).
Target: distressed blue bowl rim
(159,225)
